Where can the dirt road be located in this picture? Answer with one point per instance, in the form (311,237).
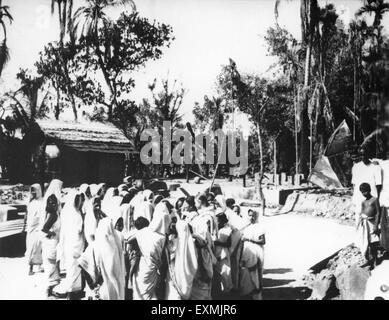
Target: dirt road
(294,244)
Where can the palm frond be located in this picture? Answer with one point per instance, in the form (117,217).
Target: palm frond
(118,3)
(363,10)
(371,138)
(5,12)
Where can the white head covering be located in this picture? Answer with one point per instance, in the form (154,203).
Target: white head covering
(93,189)
(38,190)
(221,201)
(70,243)
(161,219)
(109,194)
(147,194)
(107,203)
(84,187)
(55,187)
(122,187)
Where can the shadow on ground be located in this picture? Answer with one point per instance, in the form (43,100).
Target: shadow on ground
(277,271)
(283,289)
(286,293)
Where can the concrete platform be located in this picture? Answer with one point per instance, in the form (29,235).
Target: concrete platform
(278,195)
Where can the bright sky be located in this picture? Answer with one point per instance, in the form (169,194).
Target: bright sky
(207,33)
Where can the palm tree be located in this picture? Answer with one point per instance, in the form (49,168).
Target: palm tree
(4,52)
(378,8)
(92,17)
(309,14)
(66,26)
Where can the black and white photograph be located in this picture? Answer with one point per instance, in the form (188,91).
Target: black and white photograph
(212,150)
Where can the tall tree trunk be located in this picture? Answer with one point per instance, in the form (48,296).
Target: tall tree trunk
(58,106)
(62,25)
(296,130)
(304,141)
(113,102)
(261,170)
(68,84)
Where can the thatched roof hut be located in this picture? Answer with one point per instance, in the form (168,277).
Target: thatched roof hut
(88,152)
(88,136)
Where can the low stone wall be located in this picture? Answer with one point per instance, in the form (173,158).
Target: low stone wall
(334,205)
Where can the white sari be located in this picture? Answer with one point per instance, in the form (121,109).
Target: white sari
(223,256)
(49,245)
(109,257)
(72,245)
(35,215)
(251,262)
(90,224)
(202,283)
(145,208)
(182,264)
(151,242)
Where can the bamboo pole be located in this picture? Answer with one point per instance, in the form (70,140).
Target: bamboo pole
(296,133)
(199,175)
(217,164)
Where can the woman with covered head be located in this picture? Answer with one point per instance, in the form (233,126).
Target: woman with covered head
(252,258)
(72,244)
(221,202)
(93,215)
(85,189)
(223,278)
(146,207)
(189,210)
(207,212)
(35,215)
(108,251)
(122,188)
(98,190)
(182,262)
(51,232)
(107,200)
(202,282)
(151,241)
(125,208)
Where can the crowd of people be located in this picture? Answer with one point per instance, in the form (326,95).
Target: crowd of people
(131,243)
(370,178)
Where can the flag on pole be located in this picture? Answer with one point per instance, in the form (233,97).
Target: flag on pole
(324,176)
(340,141)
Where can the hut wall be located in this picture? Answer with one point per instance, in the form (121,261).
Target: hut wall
(111,168)
(74,167)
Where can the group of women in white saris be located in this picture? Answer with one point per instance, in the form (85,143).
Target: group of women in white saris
(122,243)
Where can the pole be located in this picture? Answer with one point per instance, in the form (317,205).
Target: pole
(296,133)
(310,146)
(199,175)
(275,160)
(217,164)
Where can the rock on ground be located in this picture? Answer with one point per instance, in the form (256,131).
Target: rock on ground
(342,277)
